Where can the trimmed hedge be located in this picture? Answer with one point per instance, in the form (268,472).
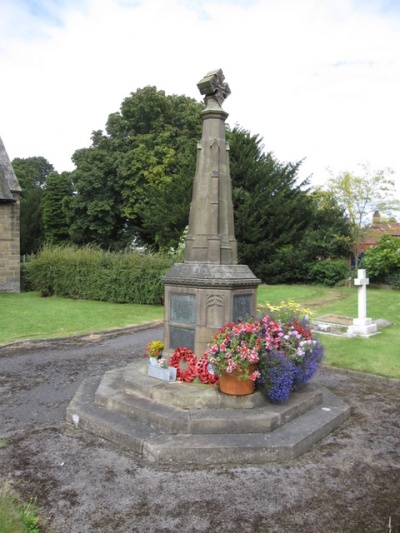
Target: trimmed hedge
(93,274)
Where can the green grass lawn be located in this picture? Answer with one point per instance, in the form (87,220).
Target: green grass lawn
(28,316)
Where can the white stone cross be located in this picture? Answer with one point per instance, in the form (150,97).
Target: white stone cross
(362,326)
(362,281)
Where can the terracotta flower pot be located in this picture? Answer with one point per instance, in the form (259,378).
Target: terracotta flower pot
(231,384)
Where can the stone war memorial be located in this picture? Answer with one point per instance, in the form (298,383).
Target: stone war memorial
(10,192)
(209,288)
(168,422)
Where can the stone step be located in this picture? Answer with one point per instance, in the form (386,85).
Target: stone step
(183,395)
(155,446)
(160,414)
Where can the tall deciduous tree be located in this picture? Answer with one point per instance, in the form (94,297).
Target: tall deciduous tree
(122,181)
(57,192)
(362,194)
(96,205)
(32,173)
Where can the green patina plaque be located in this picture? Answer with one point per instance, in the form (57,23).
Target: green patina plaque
(242,306)
(181,338)
(183,308)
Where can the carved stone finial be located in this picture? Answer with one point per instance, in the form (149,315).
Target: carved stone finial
(214,84)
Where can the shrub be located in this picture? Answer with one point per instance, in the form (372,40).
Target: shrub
(93,274)
(26,284)
(392,279)
(382,261)
(329,272)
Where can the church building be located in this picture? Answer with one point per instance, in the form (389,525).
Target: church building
(10,192)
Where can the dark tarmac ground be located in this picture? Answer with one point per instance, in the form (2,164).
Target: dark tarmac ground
(349,482)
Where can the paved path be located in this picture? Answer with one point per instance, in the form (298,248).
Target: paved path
(350,482)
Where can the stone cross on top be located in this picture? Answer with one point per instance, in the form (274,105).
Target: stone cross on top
(214,84)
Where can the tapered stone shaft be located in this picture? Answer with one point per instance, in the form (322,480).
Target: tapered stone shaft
(211,237)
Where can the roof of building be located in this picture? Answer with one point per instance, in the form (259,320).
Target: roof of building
(8,180)
(379,228)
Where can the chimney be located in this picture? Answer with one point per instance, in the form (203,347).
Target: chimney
(376,218)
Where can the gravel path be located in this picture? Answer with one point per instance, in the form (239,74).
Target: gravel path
(349,482)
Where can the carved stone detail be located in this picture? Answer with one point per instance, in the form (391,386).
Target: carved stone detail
(214,84)
(214,300)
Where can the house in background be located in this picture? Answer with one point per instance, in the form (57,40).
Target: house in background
(378,229)
(10,193)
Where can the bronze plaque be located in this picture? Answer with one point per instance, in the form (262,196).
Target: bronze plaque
(241,306)
(183,308)
(181,338)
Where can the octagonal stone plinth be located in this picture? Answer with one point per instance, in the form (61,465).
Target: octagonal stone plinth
(165,423)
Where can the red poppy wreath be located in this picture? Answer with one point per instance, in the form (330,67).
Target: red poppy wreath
(203,373)
(191,372)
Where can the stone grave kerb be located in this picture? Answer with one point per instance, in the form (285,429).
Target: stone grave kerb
(209,288)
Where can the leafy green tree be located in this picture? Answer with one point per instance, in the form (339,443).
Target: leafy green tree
(383,260)
(328,233)
(32,173)
(57,191)
(124,181)
(31,221)
(359,195)
(95,208)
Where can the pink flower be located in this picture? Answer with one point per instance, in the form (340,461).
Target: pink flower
(256,374)
(253,357)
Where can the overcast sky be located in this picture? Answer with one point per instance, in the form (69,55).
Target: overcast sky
(317,79)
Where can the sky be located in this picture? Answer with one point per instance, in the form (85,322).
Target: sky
(318,80)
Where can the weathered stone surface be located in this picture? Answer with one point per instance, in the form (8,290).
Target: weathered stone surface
(214,83)
(120,407)
(9,225)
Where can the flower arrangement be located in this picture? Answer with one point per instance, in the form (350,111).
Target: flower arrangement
(291,361)
(236,347)
(285,351)
(154,349)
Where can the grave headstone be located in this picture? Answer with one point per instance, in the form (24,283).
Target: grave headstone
(362,326)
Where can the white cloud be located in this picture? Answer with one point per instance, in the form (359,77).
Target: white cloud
(315,79)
